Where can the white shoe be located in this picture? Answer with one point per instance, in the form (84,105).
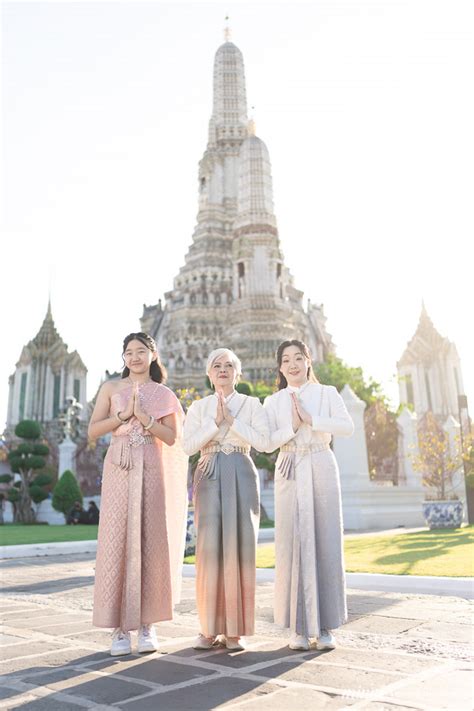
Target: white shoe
(202,642)
(235,644)
(298,642)
(326,640)
(147,641)
(120,643)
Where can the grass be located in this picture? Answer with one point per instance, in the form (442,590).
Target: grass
(12,534)
(18,534)
(445,553)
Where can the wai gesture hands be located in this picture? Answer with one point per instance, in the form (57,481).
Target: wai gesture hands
(223,412)
(299,415)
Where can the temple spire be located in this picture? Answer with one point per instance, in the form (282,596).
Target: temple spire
(230,99)
(227,30)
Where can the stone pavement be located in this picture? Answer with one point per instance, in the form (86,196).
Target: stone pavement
(396,652)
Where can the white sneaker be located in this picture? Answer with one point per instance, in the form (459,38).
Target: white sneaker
(299,642)
(120,643)
(147,641)
(202,642)
(326,640)
(235,644)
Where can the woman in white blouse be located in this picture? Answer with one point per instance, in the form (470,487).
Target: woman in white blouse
(224,426)
(310,596)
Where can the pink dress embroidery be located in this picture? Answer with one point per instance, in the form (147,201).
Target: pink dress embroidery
(142,519)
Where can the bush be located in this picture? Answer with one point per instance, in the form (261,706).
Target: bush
(28,429)
(66,492)
(244,387)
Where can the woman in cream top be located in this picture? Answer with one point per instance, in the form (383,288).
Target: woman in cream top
(224,426)
(303,415)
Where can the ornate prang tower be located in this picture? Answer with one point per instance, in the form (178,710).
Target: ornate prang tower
(234,289)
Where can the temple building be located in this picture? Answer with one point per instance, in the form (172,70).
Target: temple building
(45,375)
(234,288)
(429,372)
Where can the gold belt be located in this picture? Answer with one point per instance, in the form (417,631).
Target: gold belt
(135,439)
(308,449)
(226,448)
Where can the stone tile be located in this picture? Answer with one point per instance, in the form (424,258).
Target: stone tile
(289,699)
(444,631)
(385,706)
(24,648)
(99,689)
(53,702)
(381,625)
(6,693)
(447,690)
(211,694)
(104,638)
(156,670)
(9,639)
(68,628)
(241,660)
(338,678)
(383,661)
(52,659)
(28,614)
(165,631)
(44,620)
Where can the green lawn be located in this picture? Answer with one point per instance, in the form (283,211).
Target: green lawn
(446,553)
(18,534)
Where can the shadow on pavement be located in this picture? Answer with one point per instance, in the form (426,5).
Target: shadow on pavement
(51,586)
(182,681)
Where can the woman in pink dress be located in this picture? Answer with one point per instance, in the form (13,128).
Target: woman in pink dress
(143,499)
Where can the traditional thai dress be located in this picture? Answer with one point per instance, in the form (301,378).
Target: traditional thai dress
(309,569)
(142,518)
(227,511)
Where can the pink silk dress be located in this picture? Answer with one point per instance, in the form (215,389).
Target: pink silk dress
(142,518)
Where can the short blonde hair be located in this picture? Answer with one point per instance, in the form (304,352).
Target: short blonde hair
(218,353)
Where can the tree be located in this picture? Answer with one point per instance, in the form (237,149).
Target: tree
(25,460)
(335,372)
(381,431)
(435,461)
(66,493)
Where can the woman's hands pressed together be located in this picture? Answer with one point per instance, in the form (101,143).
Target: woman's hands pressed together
(299,415)
(223,412)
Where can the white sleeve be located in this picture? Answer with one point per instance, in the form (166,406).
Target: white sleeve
(197,430)
(339,422)
(278,436)
(257,432)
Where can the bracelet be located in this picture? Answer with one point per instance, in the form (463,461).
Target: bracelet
(120,419)
(150,424)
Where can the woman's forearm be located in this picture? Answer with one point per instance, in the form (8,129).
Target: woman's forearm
(102,427)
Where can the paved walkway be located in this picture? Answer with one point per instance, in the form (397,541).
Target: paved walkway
(396,652)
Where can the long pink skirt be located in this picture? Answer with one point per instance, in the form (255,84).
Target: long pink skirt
(133,583)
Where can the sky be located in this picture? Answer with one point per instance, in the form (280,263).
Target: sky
(367,111)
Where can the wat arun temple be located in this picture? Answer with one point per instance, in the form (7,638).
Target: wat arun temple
(234,289)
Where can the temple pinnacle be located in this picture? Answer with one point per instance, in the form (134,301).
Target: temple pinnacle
(227,32)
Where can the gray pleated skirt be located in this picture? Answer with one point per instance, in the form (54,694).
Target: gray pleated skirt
(310,592)
(227,511)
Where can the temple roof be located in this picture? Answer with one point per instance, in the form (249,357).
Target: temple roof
(47,335)
(427,344)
